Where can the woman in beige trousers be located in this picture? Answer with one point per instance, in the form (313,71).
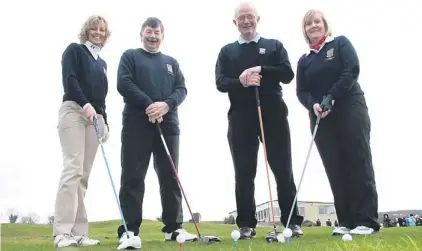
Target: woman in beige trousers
(85,89)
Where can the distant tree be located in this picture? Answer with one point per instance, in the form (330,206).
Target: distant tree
(51,219)
(31,218)
(13,215)
(230,220)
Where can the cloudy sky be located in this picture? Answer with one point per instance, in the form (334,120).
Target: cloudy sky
(35,33)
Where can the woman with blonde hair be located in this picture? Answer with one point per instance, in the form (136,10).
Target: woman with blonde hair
(327,86)
(84,76)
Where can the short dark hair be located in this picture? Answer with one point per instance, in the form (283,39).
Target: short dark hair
(152,22)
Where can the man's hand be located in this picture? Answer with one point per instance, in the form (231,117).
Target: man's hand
(90,112)
(159,120)
(318,111)
(251,77)
(157,110)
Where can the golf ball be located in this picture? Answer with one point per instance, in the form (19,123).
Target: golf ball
(235,235)
(347,237)
(180,238)
(287,233)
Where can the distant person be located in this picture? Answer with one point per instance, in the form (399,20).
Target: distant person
(242,66)
(327,86)
(85,84)
(153,87)
(318,223)
(386,221)
(329,223)
(336,223)
(418,220)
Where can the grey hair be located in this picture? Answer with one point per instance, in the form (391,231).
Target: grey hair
(236,10)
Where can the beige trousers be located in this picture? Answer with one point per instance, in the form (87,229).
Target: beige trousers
(79,147)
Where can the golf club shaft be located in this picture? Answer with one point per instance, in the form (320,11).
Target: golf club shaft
(177,177)
(304,169)
(97,131)
(261,125)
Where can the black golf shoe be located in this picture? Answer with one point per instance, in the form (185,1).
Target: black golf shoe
(247,233)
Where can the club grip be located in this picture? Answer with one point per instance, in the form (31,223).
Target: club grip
(258,100)
(159,128)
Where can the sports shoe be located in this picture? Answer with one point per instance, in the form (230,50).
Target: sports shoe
(362,230)
(247,233)
(129,241)
(172,236)
(84,241)
(341,231)
(296,231)
(65,240)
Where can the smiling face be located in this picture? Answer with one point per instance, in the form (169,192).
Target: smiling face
(152,38)
(315,26)
(246,20)
(97,33)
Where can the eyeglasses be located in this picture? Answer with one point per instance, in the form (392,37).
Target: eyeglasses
(244,17)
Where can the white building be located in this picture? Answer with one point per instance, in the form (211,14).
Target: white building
(310,210)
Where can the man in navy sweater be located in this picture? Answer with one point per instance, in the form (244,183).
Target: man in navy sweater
(249,63)
(153,87)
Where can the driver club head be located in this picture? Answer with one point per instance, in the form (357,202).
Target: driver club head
(272,237)
(209,239)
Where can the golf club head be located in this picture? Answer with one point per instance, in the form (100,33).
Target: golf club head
(209,239)
(272,237)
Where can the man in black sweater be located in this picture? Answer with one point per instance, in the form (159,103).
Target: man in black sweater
(249,63)
(153,86)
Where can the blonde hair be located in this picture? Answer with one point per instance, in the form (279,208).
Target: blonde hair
(310,14)
(92,22)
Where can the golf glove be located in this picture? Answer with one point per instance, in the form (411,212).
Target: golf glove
(327,103)
(105,135)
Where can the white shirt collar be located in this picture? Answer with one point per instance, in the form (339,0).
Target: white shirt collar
(327,40)
(255,39)
(152,52)
(94,49)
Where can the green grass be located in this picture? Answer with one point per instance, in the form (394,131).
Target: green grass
(20,237)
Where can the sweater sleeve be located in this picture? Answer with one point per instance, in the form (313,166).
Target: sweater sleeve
(351,68)
(282,70)
(126,84)
(179,92)
(223,82)
(302,93)
(70,62)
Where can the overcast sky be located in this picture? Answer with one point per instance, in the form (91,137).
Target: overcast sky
(35,33)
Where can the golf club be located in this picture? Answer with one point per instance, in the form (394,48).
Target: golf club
(261,125)
(203,239)
(304,168)
(97,131)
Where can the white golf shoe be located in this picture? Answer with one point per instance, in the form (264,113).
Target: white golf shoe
(362,230)
(341,231)
(84,241)
(129,241)
(188,237)
(65,240)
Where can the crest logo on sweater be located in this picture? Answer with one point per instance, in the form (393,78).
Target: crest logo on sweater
(330,54)
(105,71)
(261,51)
(169,68)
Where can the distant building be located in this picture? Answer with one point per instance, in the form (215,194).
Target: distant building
(310,210)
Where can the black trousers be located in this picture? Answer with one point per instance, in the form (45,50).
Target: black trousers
(343,142)
(140,139)
(244,136)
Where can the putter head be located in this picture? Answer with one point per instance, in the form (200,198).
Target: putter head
(209,239)
(272,237)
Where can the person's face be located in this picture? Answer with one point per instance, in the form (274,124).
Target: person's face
(152,38)
(315,28)
(97,34)
(246,20)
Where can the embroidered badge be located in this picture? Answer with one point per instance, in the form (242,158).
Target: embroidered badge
(330,54)
(169,68)
(261,50)
(105,71)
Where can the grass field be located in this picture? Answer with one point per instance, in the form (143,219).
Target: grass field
(20,237)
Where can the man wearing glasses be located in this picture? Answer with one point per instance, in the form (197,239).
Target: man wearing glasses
(248,63)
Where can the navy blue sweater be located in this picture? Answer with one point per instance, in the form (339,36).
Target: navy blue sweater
(84,78)
(333,70)
(234,58)
(144,78)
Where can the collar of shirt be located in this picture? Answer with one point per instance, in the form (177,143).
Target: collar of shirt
(327,40)
(152,52)
(94,49)
(255,39)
